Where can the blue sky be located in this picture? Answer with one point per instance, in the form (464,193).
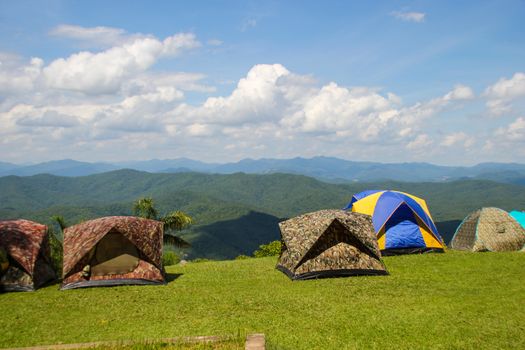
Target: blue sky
(390,81)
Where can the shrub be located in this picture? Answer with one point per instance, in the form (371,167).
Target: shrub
(56,252)
(170,258)
(242,257)
(270,249)
(199,260)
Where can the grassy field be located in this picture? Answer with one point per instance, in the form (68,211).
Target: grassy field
(442,301)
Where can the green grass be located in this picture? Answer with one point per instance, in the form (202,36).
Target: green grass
(443,301)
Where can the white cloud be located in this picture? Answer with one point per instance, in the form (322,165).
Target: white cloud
(417,17)
(105,72)
(420,143)
(458,138)
(49,118)
(460,92)
(271,112)
(181,80)
(514,132)
(174,45)
(507,143)
(339,109)
(417,113)
(18,77)
(199,130)
(270,93)
(256,98)
(504,92)
(293,104)
(98,36)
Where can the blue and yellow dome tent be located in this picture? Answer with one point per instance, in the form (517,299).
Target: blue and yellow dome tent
(402,221)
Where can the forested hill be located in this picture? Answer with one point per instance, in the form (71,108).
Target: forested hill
(234,213)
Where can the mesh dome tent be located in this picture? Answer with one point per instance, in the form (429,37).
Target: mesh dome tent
(115,250)
(402,221)
(489,229)
(25,262)
(329,243)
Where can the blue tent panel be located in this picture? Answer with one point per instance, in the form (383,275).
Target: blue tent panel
(359,196)
(385,207)
(422,215)
(402,230)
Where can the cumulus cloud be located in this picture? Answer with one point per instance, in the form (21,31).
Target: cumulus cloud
(417,17)
(176,44)
(59,104)
(182,81)
(411,116)
(342,110)
(420,142)
(507,143)
(514,132)
(501,95)
(104,72)
(256,98)
(457,138)
(270,112)
(460,92)
(294,107)
(198,129)
(294,104)
(16,76)
(271,93)
(49,118)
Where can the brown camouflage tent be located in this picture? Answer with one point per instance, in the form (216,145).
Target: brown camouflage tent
(111,251)
(329,243)
(25,263)
(489,229)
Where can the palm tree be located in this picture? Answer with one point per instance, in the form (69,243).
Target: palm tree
(60,221)
(144,207)
(55,242)
(174,221)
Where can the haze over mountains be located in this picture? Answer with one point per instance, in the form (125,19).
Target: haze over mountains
(323,168)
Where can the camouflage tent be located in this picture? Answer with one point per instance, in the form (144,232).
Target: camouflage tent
(111,251)
(489,229)
(329,243)
(25,263)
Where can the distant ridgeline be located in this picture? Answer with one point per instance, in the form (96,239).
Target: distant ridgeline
(234,213)
(324,168)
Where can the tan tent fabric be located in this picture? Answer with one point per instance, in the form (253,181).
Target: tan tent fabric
(114,254)
(113,250)
(145,234)
(489,229)
(329,243)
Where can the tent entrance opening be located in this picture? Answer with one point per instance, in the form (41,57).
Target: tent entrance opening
(114,255)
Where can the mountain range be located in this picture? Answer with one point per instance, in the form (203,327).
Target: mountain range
(323,168)
(234,213)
